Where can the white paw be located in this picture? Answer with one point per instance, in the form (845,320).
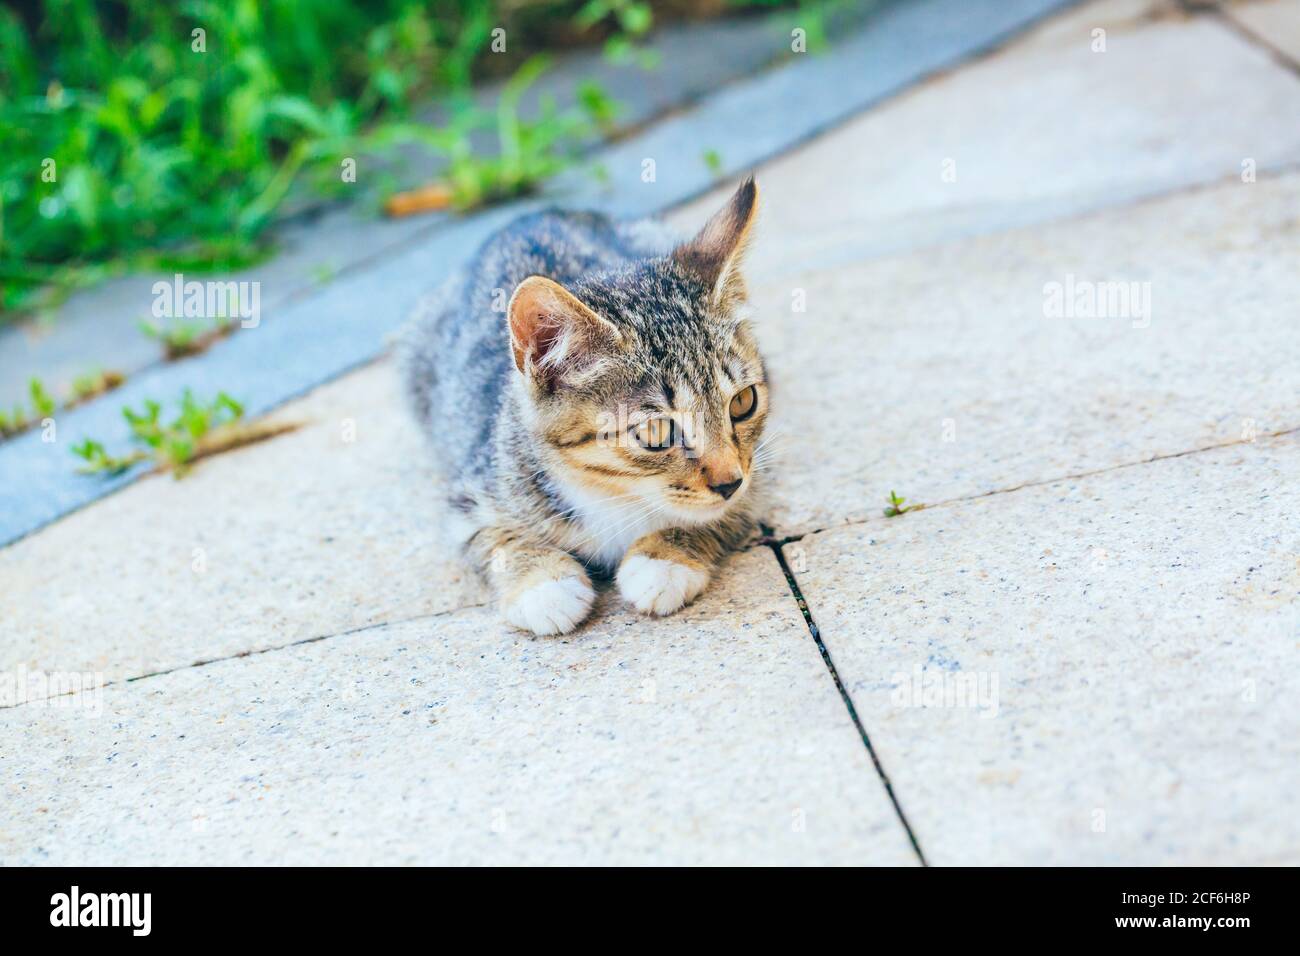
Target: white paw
(552,607)
(654,586)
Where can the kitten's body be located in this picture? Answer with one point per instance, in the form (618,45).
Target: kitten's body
(515,405)
(459,374)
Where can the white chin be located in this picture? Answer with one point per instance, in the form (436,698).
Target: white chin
(701,514)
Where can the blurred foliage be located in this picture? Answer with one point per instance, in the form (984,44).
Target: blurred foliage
(173,443)
(18,417)
(169,134)
(200,428)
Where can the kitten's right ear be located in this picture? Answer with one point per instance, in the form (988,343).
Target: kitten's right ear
(553,335)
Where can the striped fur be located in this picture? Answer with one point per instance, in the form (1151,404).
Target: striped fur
(531,370)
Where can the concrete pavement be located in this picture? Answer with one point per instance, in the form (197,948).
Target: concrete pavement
(1082,651)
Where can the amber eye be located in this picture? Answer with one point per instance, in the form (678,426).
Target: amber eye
(743,404)
(657,434)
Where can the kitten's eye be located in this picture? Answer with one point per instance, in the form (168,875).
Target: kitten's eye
(743,404)
(657,434)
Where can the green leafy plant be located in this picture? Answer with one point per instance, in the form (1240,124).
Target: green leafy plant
(713,160)
(44,404)
(897,507)
(182,338)
(89,385)
(14,421)
(528,150)
(99,461)
(632,20)
(21,418)
(176,442)
(170,135)
(42,401)
(198,428)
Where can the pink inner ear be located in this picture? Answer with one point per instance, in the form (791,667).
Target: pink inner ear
(544,318)
(544,329)
(536,331)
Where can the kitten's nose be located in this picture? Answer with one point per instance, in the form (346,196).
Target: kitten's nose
(728,488)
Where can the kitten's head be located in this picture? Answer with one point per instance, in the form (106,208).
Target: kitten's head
(647,382)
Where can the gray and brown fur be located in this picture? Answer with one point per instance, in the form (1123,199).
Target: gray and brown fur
(528,406)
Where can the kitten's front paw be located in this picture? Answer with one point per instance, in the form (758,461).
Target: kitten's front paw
(551,606)
(656,586)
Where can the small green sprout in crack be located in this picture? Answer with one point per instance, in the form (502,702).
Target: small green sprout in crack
(200,429)
(713,162)
(93,384)
(897,506)
(42,401)
(181,339)
(176,444)
(600,108)
(20,419)
(14,421)
(44,404)
(99,462)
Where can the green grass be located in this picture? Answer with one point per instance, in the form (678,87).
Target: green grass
(133,142)
(99,462)
(42,401)
(127,145)
(172,443)
(177,440)
(528,150)
(92,384)
(633,18)
(712,162)
(196,428)
(182,337)
(20,417)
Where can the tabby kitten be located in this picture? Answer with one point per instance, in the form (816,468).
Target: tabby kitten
(607,421)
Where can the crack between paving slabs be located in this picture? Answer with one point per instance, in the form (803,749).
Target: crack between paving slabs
(1279,56)
(251,653)
(770,541)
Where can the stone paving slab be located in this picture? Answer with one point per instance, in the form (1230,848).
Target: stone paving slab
(1113,16)
(1120,687)
(1043,129)
(715,736)
(304,535)
(949,373)
(1143,641)
(1275,22)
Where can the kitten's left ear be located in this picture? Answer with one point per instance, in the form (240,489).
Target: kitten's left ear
(714,255)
